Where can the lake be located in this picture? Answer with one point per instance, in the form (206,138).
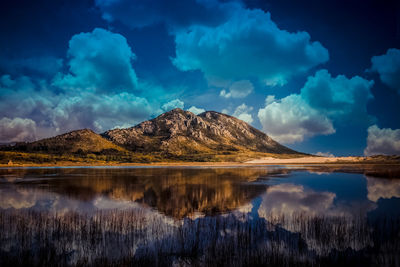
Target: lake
(198,216)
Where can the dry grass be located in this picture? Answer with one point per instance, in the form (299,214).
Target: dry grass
(24,158)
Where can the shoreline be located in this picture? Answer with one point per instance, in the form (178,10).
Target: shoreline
(269,161)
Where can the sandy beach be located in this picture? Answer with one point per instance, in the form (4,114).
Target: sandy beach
(307,160)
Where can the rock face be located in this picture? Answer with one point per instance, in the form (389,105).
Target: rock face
(85,141)
(180,132)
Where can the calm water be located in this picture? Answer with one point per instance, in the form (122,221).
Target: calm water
(198,216)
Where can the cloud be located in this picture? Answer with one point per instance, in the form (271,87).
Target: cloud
(382,141)
(323,101)
(325,154)
(388,68)
(100,112)
(239,89)
(287,199)
(26,98)
(225,111)
(248,44)
(17,129)
(12,198)
(55,113)
(196,110)
(176,103)
(101,90)
(101,60)
(340,98)
(242,112)
(270,99)
(173,13)
(291,119)
(382,188)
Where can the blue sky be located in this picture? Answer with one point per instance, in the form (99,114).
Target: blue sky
(316,76)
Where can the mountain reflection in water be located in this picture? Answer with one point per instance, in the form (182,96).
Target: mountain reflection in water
(306,216)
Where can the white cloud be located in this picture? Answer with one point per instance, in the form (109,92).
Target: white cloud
(382,141)
(239,89)
(17,129)
(325,154)
(176,103)
(323,100)
(100,112)
(242,112)
(196,110)
(225,111)
(291,119)
(270,99)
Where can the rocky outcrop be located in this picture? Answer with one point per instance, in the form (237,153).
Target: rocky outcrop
(180,132)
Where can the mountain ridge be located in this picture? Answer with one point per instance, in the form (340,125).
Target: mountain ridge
(179,131)
(173,135)
(77,141)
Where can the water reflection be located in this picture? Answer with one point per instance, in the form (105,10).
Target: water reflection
(289,198)
(175,192)
(203,216)
(382,188)
(190,192)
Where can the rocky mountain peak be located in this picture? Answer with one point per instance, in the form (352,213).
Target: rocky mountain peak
(176,134)
(180,132)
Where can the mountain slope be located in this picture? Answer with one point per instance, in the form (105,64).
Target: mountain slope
(180,132)
(79,141)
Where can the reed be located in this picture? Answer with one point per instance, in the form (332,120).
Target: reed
(142,238)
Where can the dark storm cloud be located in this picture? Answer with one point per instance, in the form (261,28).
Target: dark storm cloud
(388,68)
(248,44)
(174,13)
(38,66)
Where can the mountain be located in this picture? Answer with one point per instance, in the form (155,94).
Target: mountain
(179,133)
(174,135)
(79,141)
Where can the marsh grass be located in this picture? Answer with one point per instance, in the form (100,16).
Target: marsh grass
(142,238)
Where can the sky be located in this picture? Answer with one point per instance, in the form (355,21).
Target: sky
(321,77)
